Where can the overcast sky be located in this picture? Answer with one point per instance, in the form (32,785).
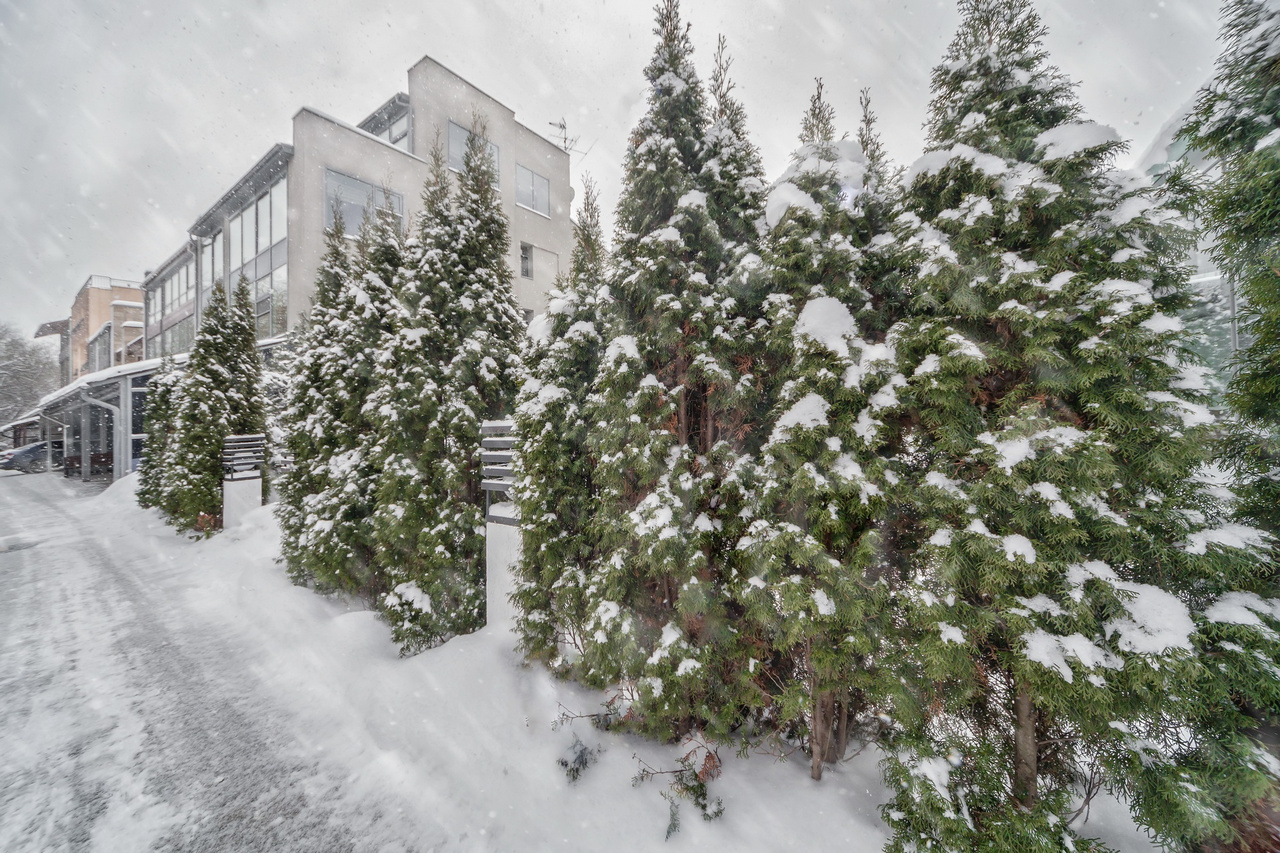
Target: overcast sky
(121,121)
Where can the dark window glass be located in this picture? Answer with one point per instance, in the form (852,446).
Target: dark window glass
(354,198)
(458,136)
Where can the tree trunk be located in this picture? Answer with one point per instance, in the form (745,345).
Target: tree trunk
(839,743)
(820,729)
(1025,750)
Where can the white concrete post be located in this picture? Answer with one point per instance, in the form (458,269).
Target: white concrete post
(502,549)
(243,457)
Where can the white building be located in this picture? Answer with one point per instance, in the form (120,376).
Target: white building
(270,226)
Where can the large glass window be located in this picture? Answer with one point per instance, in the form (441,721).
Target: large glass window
(271,300)
(398,132)
(279,211)
(458,136)
(233,241)
(354,198)
(279,300)
(249,236)
(186,284)
(271,303)
(264,224)
(533,191)
(184,334)
(206,264)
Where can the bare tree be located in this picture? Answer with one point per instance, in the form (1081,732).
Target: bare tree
(28,371)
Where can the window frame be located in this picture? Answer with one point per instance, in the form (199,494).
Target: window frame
(352,229)
(495,153)
(534,177)
(526,260)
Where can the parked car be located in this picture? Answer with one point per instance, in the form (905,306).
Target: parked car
(28,459)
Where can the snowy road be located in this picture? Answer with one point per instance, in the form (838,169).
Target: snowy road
(123,726)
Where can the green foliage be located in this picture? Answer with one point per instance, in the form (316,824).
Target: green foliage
(327,496)
(1235,122)
(816,578)
(413,523)
(1058,622)
(668,431)
(217,395)
(557,496)
(454,365)
(157,423)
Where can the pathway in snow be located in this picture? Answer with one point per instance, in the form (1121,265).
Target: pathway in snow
(123,729)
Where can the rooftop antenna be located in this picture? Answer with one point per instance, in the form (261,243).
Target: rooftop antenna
(567,142)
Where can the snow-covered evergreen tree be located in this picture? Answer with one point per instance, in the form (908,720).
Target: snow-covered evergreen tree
(277,368)
(1074,607)
(732,173)
(815,547)
(479,382)
(455,365)
(1237,122)
(557,494)
(218,395)
(157,424)
(669,501)
(327,497)
(414,521)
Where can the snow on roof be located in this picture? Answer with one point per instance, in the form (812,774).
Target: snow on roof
(104,375)
(351,127)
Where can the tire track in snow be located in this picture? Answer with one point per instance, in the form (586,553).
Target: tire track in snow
(118,731)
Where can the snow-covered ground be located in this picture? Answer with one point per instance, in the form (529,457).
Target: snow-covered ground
(158,693)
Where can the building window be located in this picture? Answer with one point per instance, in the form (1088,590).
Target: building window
(397,132)
(533,191)
(526,260)
(100,350)
(354,199)
(248,235)
(279,211)
(270,302)
(176,291)
(458,136)
(178,337)
(263,223)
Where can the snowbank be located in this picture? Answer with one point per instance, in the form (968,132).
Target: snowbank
(466,734)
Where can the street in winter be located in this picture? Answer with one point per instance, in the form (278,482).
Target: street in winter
(513,427)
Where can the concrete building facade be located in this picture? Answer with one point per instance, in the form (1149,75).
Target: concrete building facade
(270,227)
(105,322)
